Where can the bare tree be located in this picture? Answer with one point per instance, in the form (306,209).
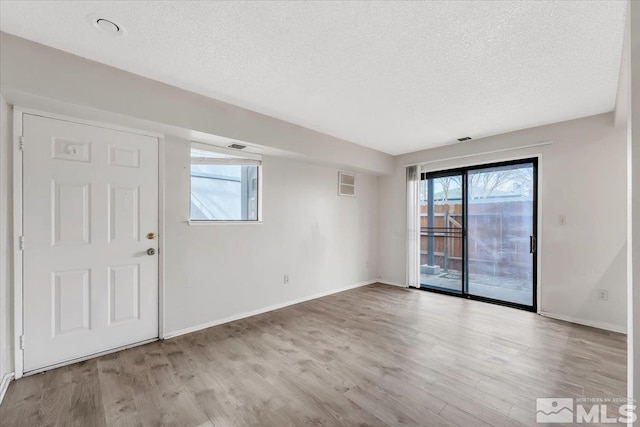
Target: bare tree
(483,184)
(446,183)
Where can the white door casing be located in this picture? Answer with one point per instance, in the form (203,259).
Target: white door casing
(90,197)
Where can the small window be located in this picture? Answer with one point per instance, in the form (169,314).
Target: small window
(225,184)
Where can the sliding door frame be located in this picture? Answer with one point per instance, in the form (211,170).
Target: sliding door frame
(464,171)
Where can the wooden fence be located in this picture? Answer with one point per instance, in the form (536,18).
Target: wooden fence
(498,236)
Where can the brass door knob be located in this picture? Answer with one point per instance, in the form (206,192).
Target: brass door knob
(151,251)
(151,236)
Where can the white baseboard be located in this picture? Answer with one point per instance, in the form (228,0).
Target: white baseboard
(593,324)
(4,385)
(263,310)
(388,282)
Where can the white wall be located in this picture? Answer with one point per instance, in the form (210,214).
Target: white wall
(634,147)
(323,241)
(583,176)
(6,299)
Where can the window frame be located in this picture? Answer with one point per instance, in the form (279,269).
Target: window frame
(242,157)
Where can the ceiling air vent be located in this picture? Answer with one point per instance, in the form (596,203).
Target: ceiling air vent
(346,184)
(466,138)
(237,146)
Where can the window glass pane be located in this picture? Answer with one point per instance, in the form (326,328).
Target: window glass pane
(224,192)
(441,233)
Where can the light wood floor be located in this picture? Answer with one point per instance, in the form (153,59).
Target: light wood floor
(377,355)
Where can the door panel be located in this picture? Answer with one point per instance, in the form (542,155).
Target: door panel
(500,216)
(90,197)
(70,213)
(124,292)
(71,309)
(124,213)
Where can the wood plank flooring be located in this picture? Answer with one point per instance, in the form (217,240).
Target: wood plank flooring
(376,355)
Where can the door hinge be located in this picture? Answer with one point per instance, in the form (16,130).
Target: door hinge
(21,243)
(22,143)
(21,342)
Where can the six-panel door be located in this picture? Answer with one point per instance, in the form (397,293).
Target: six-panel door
(90,199)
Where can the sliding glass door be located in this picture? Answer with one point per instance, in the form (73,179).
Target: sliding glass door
(478,228)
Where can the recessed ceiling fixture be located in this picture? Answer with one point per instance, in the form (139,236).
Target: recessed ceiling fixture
(106,26)
(466,138)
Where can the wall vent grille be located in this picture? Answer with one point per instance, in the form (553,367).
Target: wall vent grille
(346,184)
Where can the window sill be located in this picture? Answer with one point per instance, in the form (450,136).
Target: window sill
(199,223)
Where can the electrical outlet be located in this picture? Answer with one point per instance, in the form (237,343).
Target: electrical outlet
(286,279)
(603,295)
(563,219)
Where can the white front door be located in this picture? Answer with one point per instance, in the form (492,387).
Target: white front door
(90,197)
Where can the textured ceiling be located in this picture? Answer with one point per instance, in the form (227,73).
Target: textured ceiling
(394,76)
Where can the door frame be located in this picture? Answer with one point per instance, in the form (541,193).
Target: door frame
(463,171)
(18,230)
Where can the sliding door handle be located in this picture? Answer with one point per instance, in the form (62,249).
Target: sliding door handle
(533,244)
